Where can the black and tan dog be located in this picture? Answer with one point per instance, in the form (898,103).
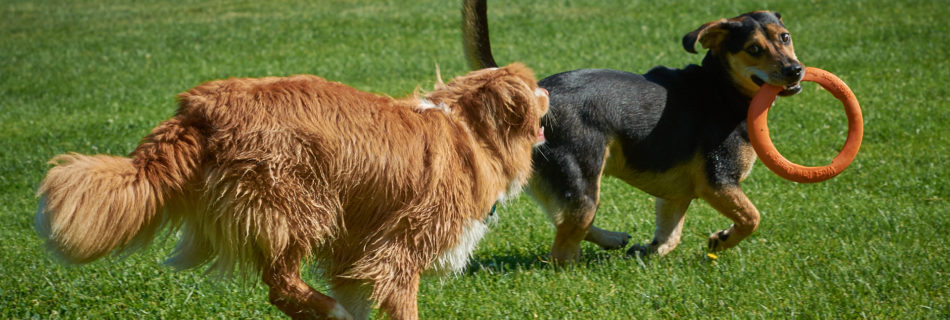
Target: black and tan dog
(677,134)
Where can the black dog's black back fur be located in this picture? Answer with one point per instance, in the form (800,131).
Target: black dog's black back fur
(660,120)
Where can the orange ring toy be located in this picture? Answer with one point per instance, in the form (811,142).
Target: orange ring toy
(759,130)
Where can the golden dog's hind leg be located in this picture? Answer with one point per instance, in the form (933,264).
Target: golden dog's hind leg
(731,202)
(400,299)
(294,297)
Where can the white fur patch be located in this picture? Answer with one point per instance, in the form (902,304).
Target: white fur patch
(425,104)
(761,74)
(514,189)
(455,259)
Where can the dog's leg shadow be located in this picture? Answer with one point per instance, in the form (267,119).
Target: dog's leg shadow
(505,263)
(517,262)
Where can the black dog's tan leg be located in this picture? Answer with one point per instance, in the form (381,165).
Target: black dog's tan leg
(571,217)
(670,215)
(732,203)
(572,226)
(569,193)
(669,225)
(294,297)
(576,224)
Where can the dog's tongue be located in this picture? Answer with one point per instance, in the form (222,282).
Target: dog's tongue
(541,134)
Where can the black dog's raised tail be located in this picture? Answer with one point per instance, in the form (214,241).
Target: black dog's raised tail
(475,35)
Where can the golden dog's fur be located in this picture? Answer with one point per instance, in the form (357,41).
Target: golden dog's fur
(260,174)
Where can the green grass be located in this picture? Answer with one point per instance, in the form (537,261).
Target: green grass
(94,76)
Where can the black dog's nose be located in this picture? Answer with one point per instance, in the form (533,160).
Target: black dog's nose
(794,70)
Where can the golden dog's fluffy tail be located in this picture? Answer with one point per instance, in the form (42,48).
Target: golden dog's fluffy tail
(93,205)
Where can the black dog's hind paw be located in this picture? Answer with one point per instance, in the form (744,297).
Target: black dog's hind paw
(641,250)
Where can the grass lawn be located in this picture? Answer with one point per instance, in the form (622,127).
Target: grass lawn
(94,76)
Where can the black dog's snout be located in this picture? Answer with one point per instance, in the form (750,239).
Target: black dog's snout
(793,71)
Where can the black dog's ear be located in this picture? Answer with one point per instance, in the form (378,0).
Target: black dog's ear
(778,15)
(710,35)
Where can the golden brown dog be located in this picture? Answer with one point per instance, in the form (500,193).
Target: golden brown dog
(259,174)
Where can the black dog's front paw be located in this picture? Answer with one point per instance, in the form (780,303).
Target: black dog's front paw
(717,240)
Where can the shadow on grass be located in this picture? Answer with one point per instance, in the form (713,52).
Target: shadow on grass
(506,262)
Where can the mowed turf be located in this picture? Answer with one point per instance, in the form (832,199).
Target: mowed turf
(95,76)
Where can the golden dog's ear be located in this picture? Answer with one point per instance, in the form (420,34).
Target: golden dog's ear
(521,71)
(505,96)
(710,35)
(497,93)
(522,83)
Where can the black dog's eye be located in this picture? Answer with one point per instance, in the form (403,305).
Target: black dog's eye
(754,50)
(785,37)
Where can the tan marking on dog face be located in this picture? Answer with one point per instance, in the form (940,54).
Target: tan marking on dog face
(781,41)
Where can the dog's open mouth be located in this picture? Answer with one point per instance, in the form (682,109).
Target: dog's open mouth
(789,89)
